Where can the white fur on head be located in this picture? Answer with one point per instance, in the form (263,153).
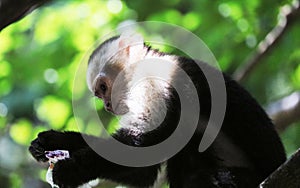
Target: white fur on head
(133,46)
(148,92)
(99,58)
(125,50)
(145,98)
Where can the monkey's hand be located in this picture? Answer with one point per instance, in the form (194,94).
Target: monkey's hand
(54,140)
(75,171)
(42,143)
(66,174)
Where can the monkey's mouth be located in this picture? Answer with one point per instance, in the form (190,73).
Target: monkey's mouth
(119,109)
(109,109)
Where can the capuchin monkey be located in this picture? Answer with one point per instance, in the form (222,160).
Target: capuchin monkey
(245,152)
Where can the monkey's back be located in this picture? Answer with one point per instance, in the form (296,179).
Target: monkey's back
(246,125)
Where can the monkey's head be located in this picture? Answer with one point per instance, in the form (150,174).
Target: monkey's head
(114,56)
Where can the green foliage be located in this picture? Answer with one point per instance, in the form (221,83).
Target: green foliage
(53,110)
(16,181)
(21,132)
(40,55)
(290,138)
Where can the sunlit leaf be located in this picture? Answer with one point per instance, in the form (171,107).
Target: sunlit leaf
(42,174)
(5,68)
(2,122)
(93,128)
(77,71)
(21,132)
(54,110)
(98,103)
(191,21)
(113,125)
(74,125)
(15,180)
(6,41)
(290,138)
(170,16)
(5,87)
(114,6)
(297,76)
(235,10)
(49,27)
(37,130)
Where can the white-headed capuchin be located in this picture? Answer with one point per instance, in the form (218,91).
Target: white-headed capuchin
(246,150)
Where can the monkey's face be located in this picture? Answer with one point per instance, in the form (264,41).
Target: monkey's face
(102,90)
(117,55)
(113,92)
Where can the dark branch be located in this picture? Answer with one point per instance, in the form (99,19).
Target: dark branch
(285,111)
(289,14)
(287,175)
(13,10)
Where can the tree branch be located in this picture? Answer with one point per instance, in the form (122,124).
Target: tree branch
(13,10)
(288,15)
(287,175)
(285,111)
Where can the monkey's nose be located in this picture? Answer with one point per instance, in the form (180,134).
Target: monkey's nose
(97,94)
(108,106)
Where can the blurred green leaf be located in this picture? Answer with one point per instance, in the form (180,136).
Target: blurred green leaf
(21,132)
(15,180)
(53,110)
(191,21)
(42,174)
(5,68)
(93,128)
(113,126)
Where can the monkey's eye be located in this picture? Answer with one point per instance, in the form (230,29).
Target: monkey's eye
(103,87)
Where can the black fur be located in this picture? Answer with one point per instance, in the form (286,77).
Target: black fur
(246,125)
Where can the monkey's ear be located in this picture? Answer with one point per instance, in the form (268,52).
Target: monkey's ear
(132,44)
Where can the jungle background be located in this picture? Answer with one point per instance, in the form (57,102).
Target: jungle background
(257,42)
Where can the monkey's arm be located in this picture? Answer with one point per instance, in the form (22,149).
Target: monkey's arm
(55,140)
(85,164)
